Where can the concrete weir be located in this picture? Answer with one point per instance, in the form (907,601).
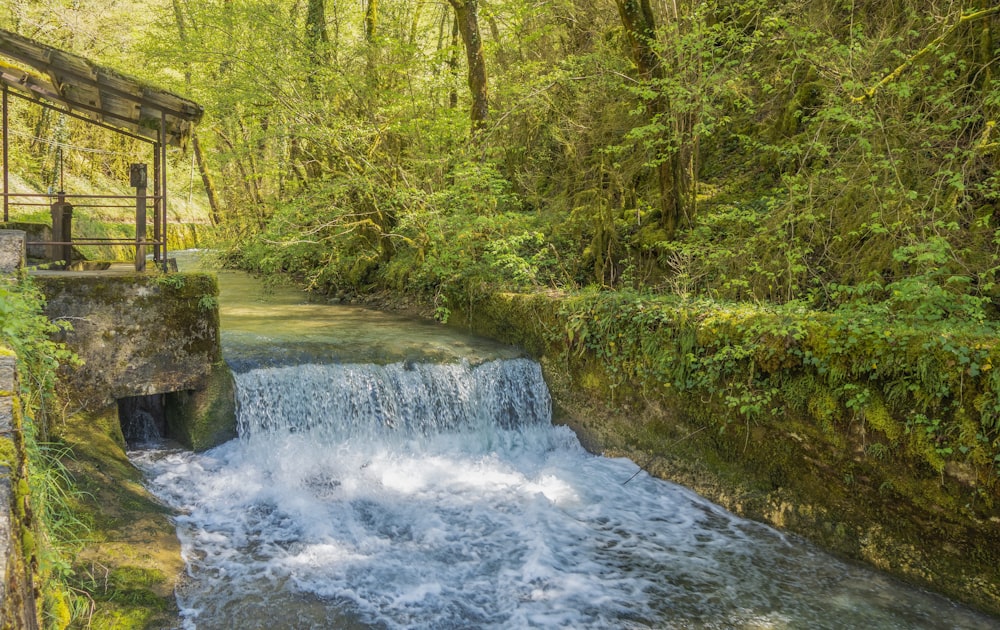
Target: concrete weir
(147,342)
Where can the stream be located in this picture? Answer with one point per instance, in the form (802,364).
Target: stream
(391,473)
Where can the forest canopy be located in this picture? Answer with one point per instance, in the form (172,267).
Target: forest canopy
(813,151)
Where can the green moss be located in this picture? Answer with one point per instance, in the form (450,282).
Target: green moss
(126,598)
(207,417)
(56,609)
(112,616)
(8,453)
(878,416)
(21,493)
(824,407)
(130,577)
(922,444)
(28,546)
(131,559)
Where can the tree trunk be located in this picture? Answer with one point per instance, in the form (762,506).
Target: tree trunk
(206,180)
(491,21)
(246,166)
(415,22)
(453,63)
(467,12)
(371,21)
(317,37)
(199,157)
(179,19)
(640,28)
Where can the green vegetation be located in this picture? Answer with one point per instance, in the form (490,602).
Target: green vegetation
(920,389)
(823,153)
(775,206)
(49,529)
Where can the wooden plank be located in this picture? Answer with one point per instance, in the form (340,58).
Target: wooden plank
(104,94)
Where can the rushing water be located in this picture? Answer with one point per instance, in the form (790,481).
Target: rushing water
(421,493)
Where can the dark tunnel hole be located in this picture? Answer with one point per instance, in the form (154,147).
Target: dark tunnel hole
(143,420)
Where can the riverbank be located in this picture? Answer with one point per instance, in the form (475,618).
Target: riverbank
(809,430)
(128,565)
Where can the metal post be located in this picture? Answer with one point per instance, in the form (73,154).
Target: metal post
(137,178)
(6,160)
(157,250)
(67,229)
(163,186)
(62,230)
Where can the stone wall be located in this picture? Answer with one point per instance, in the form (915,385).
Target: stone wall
(12,244)
(18,606)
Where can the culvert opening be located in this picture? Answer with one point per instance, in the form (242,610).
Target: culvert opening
(143,420)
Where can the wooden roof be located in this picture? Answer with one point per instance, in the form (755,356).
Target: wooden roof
(45,73)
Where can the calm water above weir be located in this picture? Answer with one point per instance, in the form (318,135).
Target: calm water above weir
(390,474)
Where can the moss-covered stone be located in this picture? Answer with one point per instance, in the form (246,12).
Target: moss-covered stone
(137,334)
(20,606)
(130,561)
(204,418)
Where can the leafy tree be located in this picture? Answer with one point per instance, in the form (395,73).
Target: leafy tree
(641,31)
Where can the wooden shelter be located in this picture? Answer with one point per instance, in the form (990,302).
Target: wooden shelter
(75,86)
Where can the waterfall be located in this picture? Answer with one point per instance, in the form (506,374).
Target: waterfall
(369,401)
(142,420)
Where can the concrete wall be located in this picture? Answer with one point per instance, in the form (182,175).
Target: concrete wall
(12,250)
(144,334)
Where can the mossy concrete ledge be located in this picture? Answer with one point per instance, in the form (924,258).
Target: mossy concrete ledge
(145,334)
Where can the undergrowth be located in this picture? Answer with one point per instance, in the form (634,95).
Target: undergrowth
(927,384)
(51,531)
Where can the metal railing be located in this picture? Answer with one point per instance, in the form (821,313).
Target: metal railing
(61,206)
(158,185)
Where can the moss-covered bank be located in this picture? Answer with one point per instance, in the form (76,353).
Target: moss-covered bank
(129,560)
(879,446)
